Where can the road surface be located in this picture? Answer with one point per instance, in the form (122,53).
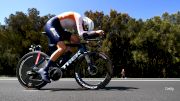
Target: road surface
(117,90)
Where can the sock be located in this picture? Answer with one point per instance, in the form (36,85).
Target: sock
(46,68)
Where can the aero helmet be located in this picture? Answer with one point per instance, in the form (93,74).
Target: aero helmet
(89,23)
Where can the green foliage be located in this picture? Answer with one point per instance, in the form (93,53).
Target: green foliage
(20,31)
(148,48)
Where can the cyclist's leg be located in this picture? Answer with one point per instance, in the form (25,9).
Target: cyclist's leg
(74,39)
(54,35)
(61,47)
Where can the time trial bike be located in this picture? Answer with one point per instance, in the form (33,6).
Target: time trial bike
(87,65)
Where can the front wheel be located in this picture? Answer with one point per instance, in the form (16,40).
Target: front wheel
(97,78)
(26,75)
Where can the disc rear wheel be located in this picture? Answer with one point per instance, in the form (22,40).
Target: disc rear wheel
(26,75)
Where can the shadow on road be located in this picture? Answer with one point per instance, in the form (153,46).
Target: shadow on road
(82,89)
(63,89)
(120,88)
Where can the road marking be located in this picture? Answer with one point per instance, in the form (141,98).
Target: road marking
(126,79)
(113,79)
(7,79)
(30,90)
(146,80)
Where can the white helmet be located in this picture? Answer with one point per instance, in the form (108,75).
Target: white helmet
(89,23)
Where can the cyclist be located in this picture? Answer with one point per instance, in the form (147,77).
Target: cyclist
(57,31)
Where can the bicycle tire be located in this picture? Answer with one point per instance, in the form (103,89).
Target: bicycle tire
(25,64)
(87,80)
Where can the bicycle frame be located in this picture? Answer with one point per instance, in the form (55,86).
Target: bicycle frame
(73,58)
(82,50)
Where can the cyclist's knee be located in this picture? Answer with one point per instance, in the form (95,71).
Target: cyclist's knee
(61,46)
(74,39)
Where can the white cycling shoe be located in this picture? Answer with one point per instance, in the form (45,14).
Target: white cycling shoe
(44,75)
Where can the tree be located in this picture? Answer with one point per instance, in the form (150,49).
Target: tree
(21,30)
(148,48)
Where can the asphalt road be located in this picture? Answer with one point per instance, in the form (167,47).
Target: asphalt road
(117,90)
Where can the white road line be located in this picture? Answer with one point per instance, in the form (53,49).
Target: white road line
(148,80)
(113,79)
(7,79)
(119,79)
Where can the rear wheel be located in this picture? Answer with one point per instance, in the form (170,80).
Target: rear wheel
(99,75)
(26,75)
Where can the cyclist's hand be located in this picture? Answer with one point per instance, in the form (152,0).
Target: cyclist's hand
(100,32)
